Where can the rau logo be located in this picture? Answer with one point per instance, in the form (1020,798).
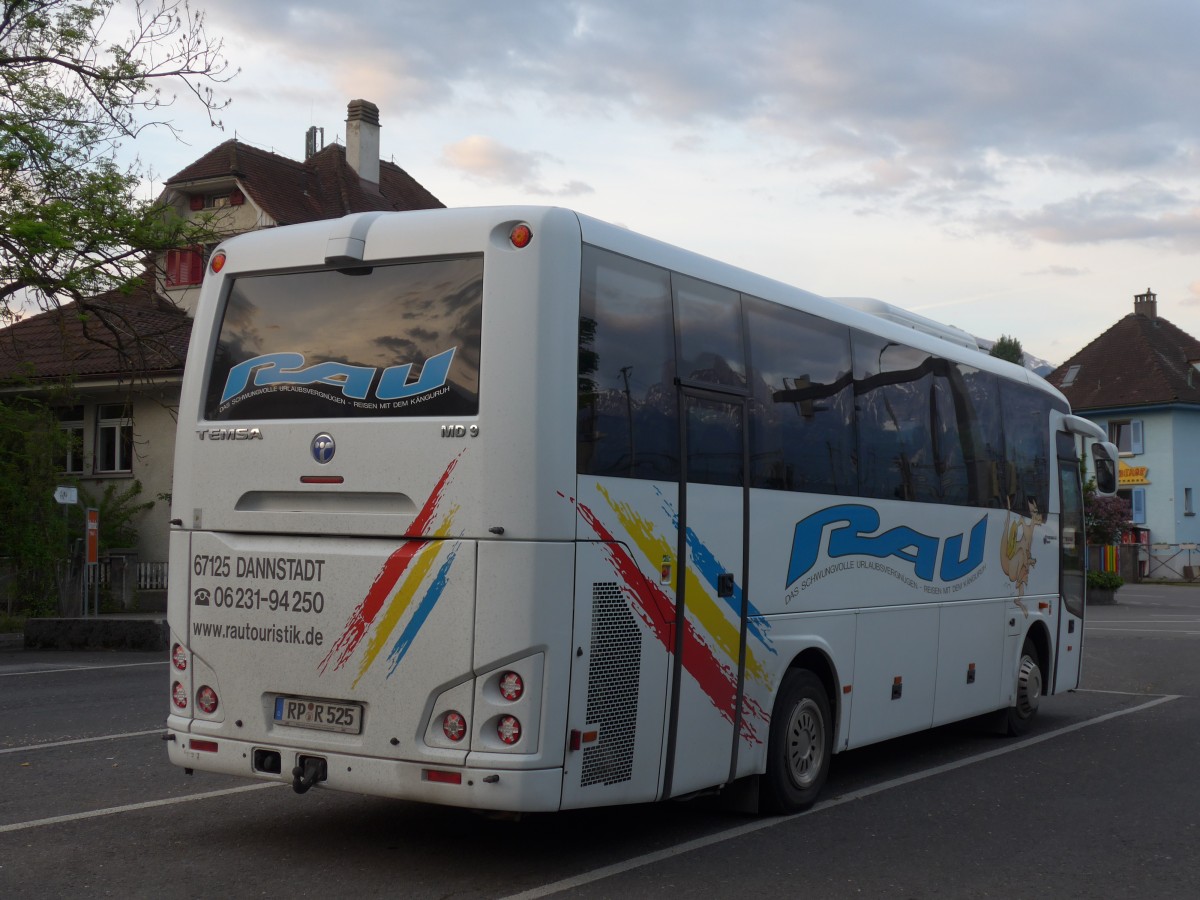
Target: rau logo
(848,530)
(353,381)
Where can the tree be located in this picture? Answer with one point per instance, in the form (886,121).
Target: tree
(1009,348)
(71,223)
(33,531)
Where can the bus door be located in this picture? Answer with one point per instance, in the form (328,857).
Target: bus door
(708,666)
(1072,542)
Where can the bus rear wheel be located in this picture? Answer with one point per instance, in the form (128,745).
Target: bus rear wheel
(800,745)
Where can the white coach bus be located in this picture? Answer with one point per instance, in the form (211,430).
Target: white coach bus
(515,510)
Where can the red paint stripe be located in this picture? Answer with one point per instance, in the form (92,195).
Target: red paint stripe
(381,588)
(655,608)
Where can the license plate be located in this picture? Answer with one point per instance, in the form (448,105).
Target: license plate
(324,715)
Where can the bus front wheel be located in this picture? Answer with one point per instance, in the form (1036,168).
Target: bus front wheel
(1016,718)
(800,745)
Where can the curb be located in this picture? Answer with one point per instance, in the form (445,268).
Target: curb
(96,634)
(12,642)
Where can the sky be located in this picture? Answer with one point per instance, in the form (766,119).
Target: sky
(1005,166)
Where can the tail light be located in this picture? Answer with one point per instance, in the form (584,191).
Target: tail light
(509,729)
(454,726)
(511,686)
(179,695)
(179,657)
(206,700)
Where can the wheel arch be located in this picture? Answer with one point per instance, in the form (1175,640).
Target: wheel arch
(1039,635)
(817,661)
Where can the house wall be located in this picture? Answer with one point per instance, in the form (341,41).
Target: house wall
(152,417)
(1169,440)
(1186,438)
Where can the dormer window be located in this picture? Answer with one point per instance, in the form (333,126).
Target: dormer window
(216,200)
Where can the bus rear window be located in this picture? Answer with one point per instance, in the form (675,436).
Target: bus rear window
(392,340)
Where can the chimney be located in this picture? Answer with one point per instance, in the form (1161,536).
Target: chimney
(1146,305)
(362,139)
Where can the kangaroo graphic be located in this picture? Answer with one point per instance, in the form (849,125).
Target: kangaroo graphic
(1016,546)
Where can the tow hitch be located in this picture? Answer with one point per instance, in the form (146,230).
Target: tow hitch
(309,772)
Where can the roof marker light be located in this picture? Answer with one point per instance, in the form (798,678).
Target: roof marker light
(217,263)
(520,236)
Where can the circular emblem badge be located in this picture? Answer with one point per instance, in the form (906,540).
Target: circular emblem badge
(323,447)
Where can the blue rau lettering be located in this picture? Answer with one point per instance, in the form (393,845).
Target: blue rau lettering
(854,537)
(393,383)
(352,381)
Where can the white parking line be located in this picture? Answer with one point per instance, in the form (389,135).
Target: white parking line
(1141,630)
(133,807)
(637,862)
(56,670)
(25,748)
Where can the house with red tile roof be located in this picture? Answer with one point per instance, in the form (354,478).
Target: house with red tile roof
(124,359)
(1140,380)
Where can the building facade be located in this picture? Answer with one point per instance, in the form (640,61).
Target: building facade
(124,360)
(1140,380)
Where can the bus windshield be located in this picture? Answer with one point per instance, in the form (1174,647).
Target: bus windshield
(391,340)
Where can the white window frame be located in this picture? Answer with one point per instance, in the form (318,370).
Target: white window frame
(121,429)
(74,429)
(1131,431)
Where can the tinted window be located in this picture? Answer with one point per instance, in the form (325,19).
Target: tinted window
(984,443)
(893,385)
(628,411)
(400,340)
(802,401)
(1027,446)
(710,333)
(714,442)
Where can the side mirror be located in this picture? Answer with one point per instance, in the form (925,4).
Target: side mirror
(1104,464)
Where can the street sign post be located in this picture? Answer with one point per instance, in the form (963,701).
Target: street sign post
(92,558)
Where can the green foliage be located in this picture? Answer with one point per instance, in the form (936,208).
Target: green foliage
(71,223)
(1104,581)
(33,530)
(1009,348)
(120,508)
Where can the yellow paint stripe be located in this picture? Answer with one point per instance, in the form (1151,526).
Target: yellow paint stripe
(709,614)
(401,600)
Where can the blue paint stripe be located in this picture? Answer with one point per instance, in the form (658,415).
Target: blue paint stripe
(421,613)
(709,568)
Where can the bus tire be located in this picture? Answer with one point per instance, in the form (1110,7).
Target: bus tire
(799,747)
(1030,682)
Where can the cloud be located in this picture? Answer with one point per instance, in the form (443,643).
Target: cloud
(1060,272)
(931,106)
(1142,211)
(487,160)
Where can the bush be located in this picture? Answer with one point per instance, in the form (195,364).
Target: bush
(1104,581)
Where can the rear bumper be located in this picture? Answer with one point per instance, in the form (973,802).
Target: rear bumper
(536,790)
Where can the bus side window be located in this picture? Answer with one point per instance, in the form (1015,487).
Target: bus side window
(628,420)
(1026,415)
(802,401)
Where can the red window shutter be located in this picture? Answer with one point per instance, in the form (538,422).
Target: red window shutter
(236,198)
(172,267)
(195,267)
(197,201)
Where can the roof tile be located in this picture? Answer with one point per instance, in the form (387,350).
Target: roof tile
(1139,361)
